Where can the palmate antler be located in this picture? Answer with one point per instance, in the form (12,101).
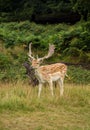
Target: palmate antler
(30,53)
(50,52)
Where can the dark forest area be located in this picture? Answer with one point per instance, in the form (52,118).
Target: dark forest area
(45,11)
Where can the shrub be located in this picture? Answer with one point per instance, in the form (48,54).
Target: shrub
(71,42)
(72,51)
(5,61)
(79,75)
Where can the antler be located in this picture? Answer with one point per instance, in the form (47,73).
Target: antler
(30,53)
(50,52)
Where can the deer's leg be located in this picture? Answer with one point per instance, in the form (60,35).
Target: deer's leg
(40,88)
(51,87)
(61,86)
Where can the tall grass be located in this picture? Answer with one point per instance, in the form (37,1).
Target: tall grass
(20,109)
(21,96)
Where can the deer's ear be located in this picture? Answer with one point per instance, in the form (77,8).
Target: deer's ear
(40,60)
(37,57)
(30,59)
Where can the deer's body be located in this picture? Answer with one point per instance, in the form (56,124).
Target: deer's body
(49,73)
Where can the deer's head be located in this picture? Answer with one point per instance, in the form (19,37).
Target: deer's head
(36,61)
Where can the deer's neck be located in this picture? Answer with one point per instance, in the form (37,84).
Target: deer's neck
(39,75)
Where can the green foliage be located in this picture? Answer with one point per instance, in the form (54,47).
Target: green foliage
(5,61)
(62,36)
(79,75)
(72,50)
(82,6)
(71,42)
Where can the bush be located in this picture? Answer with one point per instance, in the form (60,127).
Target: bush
(79,75)
(73,51)
(71,42)
(5,61)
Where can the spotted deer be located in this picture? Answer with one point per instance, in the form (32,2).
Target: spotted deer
(48,73)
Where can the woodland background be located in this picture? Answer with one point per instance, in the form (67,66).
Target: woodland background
(65,23)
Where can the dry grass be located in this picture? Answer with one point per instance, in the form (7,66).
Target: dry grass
(20,109)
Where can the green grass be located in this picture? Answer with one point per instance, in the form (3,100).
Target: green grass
(20,109)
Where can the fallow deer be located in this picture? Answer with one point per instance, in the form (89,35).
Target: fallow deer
(48,73)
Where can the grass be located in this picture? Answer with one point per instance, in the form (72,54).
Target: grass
(20,109)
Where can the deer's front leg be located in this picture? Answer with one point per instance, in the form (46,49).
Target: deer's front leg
(40,88)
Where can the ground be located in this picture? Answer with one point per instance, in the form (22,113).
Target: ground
(20,109)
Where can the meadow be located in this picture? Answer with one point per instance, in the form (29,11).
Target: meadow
(21,109)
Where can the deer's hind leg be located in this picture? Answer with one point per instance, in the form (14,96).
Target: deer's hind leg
(51,87)
(60,82)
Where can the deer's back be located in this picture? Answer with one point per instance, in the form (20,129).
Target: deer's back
(53,68)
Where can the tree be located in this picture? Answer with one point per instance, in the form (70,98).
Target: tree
(83,8)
